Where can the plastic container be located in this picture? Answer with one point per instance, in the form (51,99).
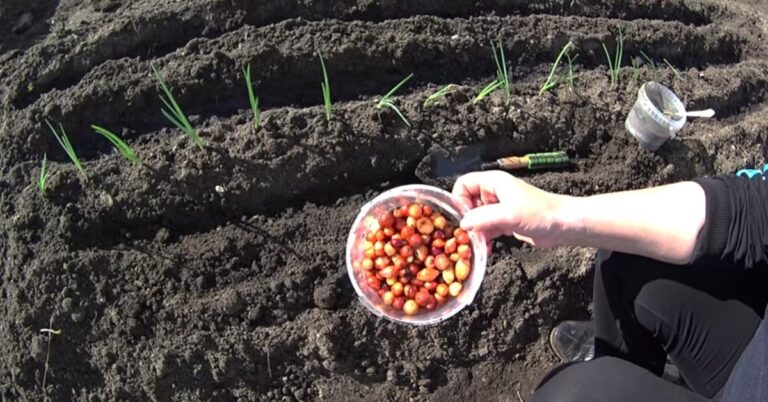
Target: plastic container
(443,202)
(647,121)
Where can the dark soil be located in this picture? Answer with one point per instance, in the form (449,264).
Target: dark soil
(218,274)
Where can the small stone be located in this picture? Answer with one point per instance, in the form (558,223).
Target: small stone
(38,348)
(106,200)
(67,304)
(134,327)
(23,23)
(254,314)
(224,368)
(105,5)
(325,297)
(230,303)
(162,236)
(204,282)
(77,316)
(220,189)
(162,365)
(329,365)
(101,295)
(391,376)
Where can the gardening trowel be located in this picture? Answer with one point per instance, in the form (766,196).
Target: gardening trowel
(469,159)
(442,164)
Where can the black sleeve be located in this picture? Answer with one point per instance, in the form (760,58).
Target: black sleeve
(736,228)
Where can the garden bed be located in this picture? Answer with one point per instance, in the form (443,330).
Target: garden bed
(218,273)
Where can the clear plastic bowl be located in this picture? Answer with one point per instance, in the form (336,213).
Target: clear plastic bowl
(647,121)
(443,202)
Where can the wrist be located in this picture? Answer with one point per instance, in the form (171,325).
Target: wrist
(569,221)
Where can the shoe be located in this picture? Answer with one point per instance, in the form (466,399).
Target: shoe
(573,341)
(672,374)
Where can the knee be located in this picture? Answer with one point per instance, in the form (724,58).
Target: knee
(655,303)
(601,257)
(573,382)
(607,260)
(603,267)
(610,265)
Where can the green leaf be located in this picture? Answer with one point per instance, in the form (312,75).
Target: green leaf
(501,67)
(494,85)
(118,143)
(392,106)
(42,181)
(551,80)
(674,70)
(326,87)
(439,94)
(174,113)
(394,89)
(63,140)
(252,98)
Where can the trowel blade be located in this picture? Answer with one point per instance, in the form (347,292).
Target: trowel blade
(462,160)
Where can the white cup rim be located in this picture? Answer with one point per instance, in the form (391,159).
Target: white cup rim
(648,107)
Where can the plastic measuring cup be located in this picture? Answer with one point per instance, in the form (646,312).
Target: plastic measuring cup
(443,202)
(656,115)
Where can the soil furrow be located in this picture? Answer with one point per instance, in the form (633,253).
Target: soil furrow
(297,156)
(270,295)
(138,34)
(425,46)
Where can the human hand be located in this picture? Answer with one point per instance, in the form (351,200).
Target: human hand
(501,204)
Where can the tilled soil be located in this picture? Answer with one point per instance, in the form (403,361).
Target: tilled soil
(218,273)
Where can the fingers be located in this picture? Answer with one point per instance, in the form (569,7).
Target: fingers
(490,235)
(487,218)
(524,239)
(478,188)
(488,196)
(465,189)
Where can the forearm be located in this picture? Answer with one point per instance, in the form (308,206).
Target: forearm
(662,223)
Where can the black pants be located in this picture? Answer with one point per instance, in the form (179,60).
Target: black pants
(644,310)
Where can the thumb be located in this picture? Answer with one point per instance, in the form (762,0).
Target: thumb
(486,218)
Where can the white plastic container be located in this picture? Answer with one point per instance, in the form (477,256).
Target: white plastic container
(647,121)
(443,202)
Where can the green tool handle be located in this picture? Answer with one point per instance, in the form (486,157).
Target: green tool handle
(543,160)
(547,160)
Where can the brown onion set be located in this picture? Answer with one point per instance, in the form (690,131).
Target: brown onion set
(415,259)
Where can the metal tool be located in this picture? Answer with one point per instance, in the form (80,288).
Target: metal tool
(707,113)
(442,163)
(546,160)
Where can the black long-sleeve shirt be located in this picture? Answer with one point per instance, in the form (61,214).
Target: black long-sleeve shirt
(736,228)
(736,233)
